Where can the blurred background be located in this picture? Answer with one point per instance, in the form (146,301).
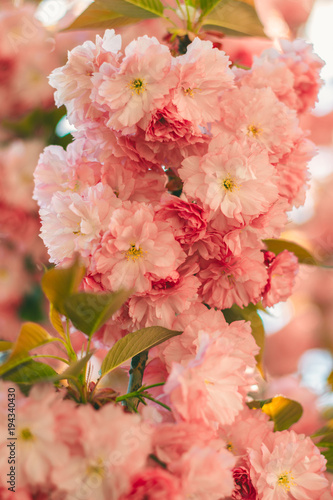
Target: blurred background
(299,345)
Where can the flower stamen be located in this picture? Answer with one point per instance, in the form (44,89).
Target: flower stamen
(190,92)
(137,86)
(254,130)
(26,434)
(229,184)
(134,253)
(286,480)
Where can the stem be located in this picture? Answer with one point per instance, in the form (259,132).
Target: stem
(49,356)
(147,396)
(188,21)
(87,352)
(138,365)
(146,387)
(70,351)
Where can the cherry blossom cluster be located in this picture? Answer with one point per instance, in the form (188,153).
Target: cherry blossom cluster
(179,168)
(26,58)
(150,126)
(211,446)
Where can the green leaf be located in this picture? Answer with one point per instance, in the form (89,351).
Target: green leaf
(100,16)
(207,6)
(59,283)
(326,441)
(134,343)
(29,373)
(277,246)
(234,18)
(328,454)
(74,369)
(143,9)
(250,313)
(30,337)
(9,364)
(89,311)
(283,411)
(56,321)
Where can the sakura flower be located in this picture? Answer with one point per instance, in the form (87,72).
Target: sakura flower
(243,485)
(102,469)
(188,220)
(40,450)
(196,318)
(305,66)
(59,170)
(288,465)
(167,298)
(234,280)
(248,431)
(205,474)
(168,127)
(155,484)
(74,222)
(73,82)
(204,75)
(17,163)
(293,174)
(210,389)
(257,116)
(135,245)
(235,182)
(172,440)
(50,174)
(282,272)
(143,80)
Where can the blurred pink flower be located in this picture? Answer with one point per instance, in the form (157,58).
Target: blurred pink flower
(279,469)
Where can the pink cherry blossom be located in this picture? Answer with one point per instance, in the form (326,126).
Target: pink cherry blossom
(17,163)
(155,482)
(280,471)
(135,245)
(204,75)
(167,298)
(39,449)
(141,83)
(257,116)
(236,182)
(234,280)
(74,222)
(243,485)
(282,271)
(205,473)
(73,82)
(210,388)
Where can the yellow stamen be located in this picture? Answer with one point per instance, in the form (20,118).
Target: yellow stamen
(229,446)
(78,231)
(190,92)
(254,130)
(137,85)
(96,468)
(229,184)
(26,434)
(134,253)
(286,480)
